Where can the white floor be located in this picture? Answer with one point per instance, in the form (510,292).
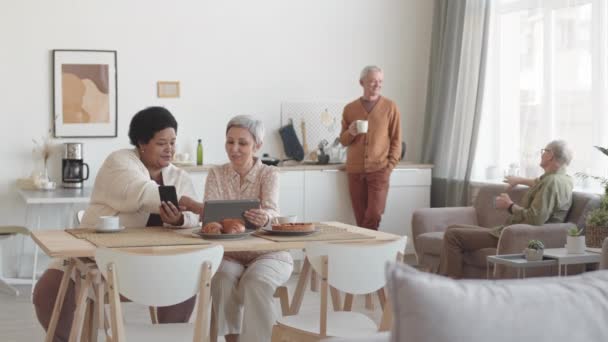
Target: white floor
(18,321)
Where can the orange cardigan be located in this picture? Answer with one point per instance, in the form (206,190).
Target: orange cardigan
(381,146)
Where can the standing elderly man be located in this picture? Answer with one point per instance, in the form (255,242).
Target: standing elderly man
(371,128)
(547,201)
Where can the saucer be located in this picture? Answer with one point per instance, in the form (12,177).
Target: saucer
(101,230)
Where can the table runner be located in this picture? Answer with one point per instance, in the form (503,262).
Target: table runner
(136,237)
(326,233)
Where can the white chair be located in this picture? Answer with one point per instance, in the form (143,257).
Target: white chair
(159,280)
(5,232)
(355,268)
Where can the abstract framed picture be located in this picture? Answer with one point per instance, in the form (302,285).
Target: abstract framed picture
(84,93)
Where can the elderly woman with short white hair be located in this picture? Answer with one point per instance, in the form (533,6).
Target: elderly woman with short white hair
(243,288)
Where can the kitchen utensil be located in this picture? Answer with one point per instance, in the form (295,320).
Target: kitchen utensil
(304,144)
(291,144)
(266,159)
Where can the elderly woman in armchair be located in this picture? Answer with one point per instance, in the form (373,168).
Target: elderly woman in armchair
(243,287)
(547,201)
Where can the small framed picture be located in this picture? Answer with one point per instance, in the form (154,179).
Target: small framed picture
(167,88)
(84,93)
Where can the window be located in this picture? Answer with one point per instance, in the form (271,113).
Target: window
(546,79)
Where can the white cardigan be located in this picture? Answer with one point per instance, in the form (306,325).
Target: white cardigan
(123,188)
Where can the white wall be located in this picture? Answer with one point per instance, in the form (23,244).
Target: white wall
(231,57)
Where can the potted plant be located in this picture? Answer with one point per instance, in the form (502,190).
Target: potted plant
(535,250)
(596,229)
(575,242)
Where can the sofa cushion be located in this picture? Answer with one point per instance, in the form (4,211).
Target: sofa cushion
(432,308)
(430,243)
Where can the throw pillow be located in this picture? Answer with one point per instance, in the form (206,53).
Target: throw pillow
(432,308)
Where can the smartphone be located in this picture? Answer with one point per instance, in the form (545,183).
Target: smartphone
(168,194)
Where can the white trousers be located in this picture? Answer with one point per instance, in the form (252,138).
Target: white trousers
(243,301)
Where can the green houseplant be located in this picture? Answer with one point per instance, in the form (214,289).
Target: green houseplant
(535,250)
(597,220)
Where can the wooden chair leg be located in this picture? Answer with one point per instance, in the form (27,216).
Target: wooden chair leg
(348,302)
(153,314)
(381,297)
(298,295)
(369,303)
(314,281)
(335,298)
(213,327)
(283,294)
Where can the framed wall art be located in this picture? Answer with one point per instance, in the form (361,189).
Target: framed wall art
(167,89)
(84,93)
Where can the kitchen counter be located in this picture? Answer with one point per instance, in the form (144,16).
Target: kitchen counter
(295,166)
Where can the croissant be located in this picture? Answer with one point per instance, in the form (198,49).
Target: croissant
(212,228)
(233,226)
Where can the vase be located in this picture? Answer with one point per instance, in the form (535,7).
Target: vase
(533,254)
(575,244)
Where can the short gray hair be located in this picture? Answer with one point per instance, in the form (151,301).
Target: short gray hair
(561,151)
(255,127)
(368,69)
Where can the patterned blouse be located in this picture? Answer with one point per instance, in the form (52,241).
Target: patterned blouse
(262,182)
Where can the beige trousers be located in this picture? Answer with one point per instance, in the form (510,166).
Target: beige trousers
(459,240)
(243,301)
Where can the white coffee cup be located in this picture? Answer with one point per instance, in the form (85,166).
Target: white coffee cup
(286,219)
(361,126)
(108,223)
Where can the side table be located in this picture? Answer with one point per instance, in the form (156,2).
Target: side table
(564,259)
(517,261)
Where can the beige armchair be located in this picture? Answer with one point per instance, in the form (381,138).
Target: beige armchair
(429,225)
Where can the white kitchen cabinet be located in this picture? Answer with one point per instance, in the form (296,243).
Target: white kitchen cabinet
(409,190)
(291,194)
(326,196)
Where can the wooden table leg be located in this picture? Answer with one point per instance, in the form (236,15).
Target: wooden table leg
(81,303)
(298,295)
(63,287)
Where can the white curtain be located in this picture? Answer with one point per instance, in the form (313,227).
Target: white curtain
(453,110)
(546,79)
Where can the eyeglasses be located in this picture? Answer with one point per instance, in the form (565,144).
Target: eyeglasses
(543,150)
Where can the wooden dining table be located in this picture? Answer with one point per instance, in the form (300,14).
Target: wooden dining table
(78,255)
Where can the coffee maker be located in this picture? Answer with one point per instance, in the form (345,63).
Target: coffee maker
(72,166)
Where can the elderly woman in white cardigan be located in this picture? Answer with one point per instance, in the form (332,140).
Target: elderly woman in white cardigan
(243,287)
(127,186)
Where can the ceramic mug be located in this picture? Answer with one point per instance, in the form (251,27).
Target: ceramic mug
(108,223)
(362,126)
(286,219)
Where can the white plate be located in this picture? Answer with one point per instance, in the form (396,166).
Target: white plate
(101,230)
(289,232)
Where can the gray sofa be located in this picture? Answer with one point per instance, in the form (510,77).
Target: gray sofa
(386,337)
(429,225)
